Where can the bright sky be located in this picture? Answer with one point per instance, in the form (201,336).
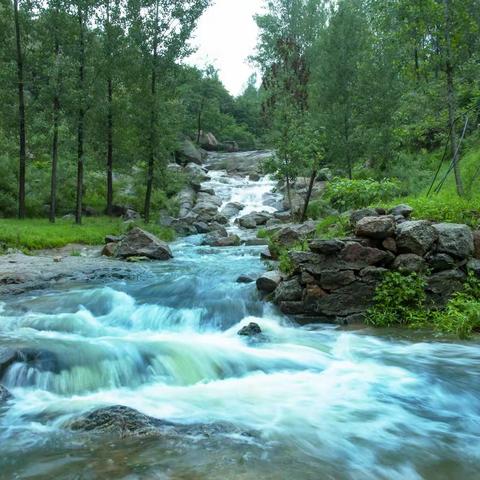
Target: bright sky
(226,36)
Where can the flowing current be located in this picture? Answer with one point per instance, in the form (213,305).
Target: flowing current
(315,402)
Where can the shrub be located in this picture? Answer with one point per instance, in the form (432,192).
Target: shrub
(334,226)
(345,194)
(399,300)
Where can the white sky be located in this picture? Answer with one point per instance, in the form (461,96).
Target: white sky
(226,36)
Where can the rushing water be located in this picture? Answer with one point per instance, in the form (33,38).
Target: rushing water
(317,403)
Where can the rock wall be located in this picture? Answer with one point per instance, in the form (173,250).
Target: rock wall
(335,281)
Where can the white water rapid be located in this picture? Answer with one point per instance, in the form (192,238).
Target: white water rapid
(317,402)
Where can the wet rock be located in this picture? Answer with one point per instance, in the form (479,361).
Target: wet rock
(196,173)
(232,209)
(357,256)
(256,242)
(201,227)
(455,239)
(376,227)
(206,211)
(207,198)
(288,291)
(5,395)
(416,237)
(335,279)
(245,279)
(292,308)
(354,319)
(254,219)
(272,222)
(250,330)
(110,249)
(440,261)
(269,281)
(119,421)
(216,239)
(357,215)
(254,177)
(139,243)
(327,247)
(41,360)
(390,244)
(248,221)
(188,152)
(267,255)
(410,263)
(476,244)
(186,200)
(401,210)
(221,219)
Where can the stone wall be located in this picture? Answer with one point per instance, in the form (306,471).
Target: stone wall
(335,280)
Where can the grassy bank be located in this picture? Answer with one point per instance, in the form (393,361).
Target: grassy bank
(36,234)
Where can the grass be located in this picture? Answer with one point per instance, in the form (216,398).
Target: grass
(36,234)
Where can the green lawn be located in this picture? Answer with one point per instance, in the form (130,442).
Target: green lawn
(35,234)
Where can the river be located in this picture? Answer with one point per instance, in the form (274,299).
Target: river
(315,402)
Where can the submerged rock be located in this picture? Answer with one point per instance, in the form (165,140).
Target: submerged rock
(217,239)
(139,243)
(250,330)
(245,279)
(5,395)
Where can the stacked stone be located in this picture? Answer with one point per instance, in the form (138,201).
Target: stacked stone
(335,281)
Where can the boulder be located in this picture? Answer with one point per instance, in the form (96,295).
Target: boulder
(410,263)
(206,211)
(288,291)
(188,152)
(131,215)
(208,141)
(218,240)
(417,237)
(284,216)
(5,395)
(186,200)
(327,247)
(357,215)
(474,266)
(139,243)
(245,279)
(335,279)
(476,244)
(113,238)
(267,255)
(455,239)
(401,210)
(221,219)
(207,198)
(250,330)
(248,221)
(254,177)
(232,209)
(287,236)
(390,244)
(378,228)
(109,250)
(269,281)
(373,275)
(42,360)
(357,256)
(292,308)
(440,261)
(441,285)
(196,172)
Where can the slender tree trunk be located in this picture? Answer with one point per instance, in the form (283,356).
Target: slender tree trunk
(80,120)
(56,115)
(109,208)
(289,194)
(199,122)
(451,100)
(313,176)
(153,124)
(21,116)
(110,148)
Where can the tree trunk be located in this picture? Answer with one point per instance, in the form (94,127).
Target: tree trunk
(110,148)
(56,114)
(21,116)
(153,123)
(289,195)
(451,100)
(81,120)
(199,122)
(313,176)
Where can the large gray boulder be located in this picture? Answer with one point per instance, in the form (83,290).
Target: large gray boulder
(455,239)
(441,285)
(327,247)
(232,209)
(207,198)
(186,200)
(188,152)
(402,210)
(217,239)
(357,215)
(356,256)
(248,221)
(410,263)
(417,237)
(378,228)
(139,243)
(196,172)
(269,281)
(290,290)
(205,210)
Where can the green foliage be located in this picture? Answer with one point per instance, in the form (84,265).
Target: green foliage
(345,194)
(461,316)
(399,300)
(38,234)
(333,226)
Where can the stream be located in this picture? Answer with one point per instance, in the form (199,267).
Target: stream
(315,402)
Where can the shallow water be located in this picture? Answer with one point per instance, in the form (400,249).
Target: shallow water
(316,402)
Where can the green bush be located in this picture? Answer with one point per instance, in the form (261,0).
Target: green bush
(345,194)
(334,226)
(399,300)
